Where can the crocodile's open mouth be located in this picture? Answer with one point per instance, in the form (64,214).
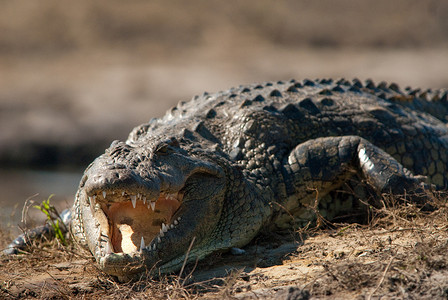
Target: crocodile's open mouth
(131,222)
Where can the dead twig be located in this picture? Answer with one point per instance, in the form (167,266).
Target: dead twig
(380,282)
(186,256)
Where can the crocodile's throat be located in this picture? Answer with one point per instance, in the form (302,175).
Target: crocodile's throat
(130,223)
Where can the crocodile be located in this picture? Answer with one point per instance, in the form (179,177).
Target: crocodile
(219,169)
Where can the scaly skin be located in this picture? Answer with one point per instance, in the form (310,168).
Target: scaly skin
(215,171)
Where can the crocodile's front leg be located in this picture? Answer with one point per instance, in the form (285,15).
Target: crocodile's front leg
(324,164)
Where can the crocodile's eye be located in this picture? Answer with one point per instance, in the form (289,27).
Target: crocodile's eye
(166,146)
(163,149)
(174,142)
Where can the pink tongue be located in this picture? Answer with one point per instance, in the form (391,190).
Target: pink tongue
(128,224)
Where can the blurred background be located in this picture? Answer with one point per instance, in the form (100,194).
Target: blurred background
(75,75)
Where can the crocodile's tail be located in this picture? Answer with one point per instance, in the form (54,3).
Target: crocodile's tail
(37,233)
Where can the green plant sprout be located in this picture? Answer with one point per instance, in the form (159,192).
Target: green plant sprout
(53,218)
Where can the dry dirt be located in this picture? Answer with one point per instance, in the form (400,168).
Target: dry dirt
(400,253)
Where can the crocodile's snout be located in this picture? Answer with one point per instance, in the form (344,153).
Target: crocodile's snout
(111,179)
(137,210)
(130,211)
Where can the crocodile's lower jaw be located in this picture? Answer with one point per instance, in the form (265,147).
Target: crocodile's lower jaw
(124,266)
(129,226)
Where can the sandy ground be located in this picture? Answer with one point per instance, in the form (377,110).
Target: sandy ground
(401,254)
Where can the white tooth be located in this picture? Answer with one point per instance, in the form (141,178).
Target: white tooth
(153,205)
(144,200)
(175,222)
(142,244)
(149,204)
(158,239)
(134,200)
(93,197)
(161,233)
(122,193)
(139,196)
(104,194)
(171,226)
(163,227)
(90,199)
(92,207)
(154,246)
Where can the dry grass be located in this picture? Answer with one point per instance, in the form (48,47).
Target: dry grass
(400,253)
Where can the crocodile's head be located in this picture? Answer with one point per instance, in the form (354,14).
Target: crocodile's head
(141,205)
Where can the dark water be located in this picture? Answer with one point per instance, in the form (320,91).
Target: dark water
(17,186)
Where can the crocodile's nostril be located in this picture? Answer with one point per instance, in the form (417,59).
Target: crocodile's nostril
(114,143)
